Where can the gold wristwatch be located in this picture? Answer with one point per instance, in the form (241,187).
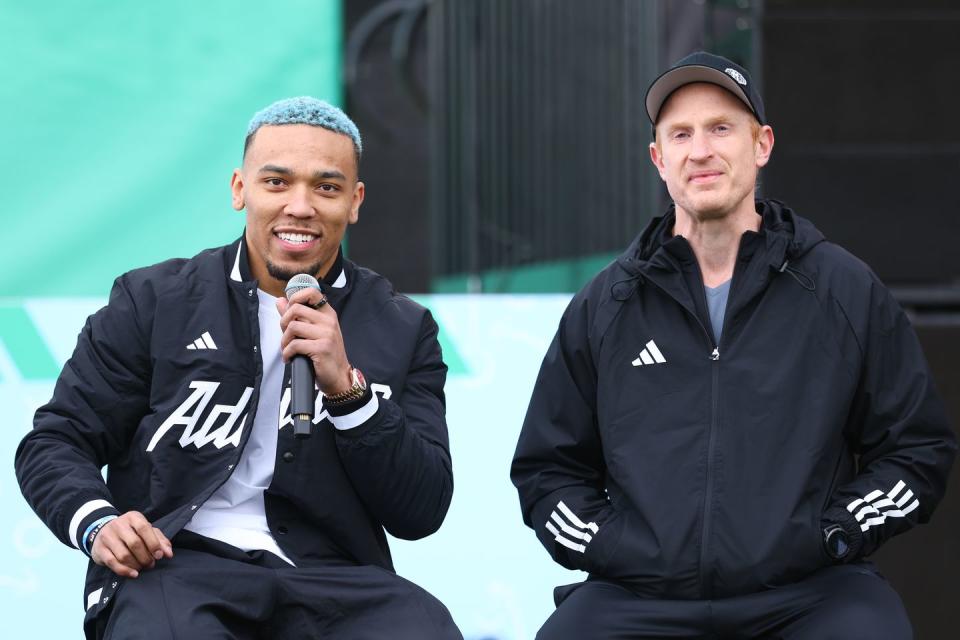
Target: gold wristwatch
(355,392)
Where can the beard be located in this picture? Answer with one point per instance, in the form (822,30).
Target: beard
(713,205)
(283,274)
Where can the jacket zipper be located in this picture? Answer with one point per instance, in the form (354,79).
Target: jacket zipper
(705,587)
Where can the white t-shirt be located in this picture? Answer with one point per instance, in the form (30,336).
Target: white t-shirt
(235,513)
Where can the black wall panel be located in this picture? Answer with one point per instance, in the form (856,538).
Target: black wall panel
(864,103)
(924,564)
(863,99)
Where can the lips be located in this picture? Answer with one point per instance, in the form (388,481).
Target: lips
(704,176)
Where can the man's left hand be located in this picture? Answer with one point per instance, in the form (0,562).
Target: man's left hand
(315,333)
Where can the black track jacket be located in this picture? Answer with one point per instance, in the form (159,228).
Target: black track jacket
(170,420)
(689,470)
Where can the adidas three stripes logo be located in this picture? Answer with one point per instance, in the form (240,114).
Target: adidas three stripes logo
(874,508)
(650,355)
(205,341)
(569,530)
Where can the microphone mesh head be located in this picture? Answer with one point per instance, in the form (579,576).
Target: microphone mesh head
(299,282)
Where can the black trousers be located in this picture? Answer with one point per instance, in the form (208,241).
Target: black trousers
(852,602)
(210,590)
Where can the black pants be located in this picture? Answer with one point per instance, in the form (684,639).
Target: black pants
(231,594)
(852,602)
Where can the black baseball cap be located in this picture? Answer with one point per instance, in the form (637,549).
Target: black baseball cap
(704,67)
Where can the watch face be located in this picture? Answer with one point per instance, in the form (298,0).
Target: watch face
(837,544)
(361,381)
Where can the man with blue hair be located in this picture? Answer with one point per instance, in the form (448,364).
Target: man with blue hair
(214,519)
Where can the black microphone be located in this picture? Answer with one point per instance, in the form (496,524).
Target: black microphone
(302,381)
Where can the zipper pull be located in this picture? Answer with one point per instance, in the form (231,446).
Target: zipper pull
(715,355)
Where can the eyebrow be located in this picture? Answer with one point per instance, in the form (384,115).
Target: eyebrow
(719,120)
(712,122)
(272,168)
(326,175)
(317,175)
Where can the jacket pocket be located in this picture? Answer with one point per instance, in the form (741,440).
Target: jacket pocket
(603,547)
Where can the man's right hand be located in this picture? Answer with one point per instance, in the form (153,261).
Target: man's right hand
(128,544)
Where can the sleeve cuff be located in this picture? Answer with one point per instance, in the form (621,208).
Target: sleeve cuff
(850,526)
(86,515)
(353,414)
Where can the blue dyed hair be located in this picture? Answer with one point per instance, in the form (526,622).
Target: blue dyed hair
(305,110)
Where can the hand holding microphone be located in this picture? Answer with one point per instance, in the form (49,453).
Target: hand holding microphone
(313,345)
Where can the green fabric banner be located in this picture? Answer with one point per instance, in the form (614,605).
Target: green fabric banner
(121,122)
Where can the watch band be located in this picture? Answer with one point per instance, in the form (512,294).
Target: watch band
(355,392)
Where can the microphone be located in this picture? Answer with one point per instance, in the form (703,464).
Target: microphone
(302,382)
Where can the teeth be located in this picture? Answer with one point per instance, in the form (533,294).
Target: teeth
(295,237)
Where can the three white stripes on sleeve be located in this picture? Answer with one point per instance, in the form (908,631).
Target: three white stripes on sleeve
(871,512)
(569,530)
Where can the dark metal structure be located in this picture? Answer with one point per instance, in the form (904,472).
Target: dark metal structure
(539,133)
(506,134)
(385,56)
(540,153)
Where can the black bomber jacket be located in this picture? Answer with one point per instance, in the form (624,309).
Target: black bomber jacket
(169,420)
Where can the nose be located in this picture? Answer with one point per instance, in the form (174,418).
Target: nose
(700,148)
(299,205)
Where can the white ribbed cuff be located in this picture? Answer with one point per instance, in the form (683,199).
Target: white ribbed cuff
(77,520)
(358,417)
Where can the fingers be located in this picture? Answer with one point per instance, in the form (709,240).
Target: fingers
(323,344)
(130,544)
(304,330)
(315,333)
(165,545)
(153,546)
(106,558)
(137,547)
(312,298)
(299,321)
(299,310)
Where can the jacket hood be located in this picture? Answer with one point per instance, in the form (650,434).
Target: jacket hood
(788,236)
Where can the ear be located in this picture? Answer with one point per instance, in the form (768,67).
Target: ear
(236,189)
(764,145)
(358,192)
(656,157)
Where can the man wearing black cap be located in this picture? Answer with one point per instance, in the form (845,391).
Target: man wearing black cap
(734,414)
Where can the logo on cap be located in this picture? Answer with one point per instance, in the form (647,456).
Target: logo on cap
(736,75)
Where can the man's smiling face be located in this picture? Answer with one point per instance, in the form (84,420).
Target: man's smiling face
(299,187)
(709,149)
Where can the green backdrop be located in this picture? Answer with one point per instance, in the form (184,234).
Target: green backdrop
(122,121)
